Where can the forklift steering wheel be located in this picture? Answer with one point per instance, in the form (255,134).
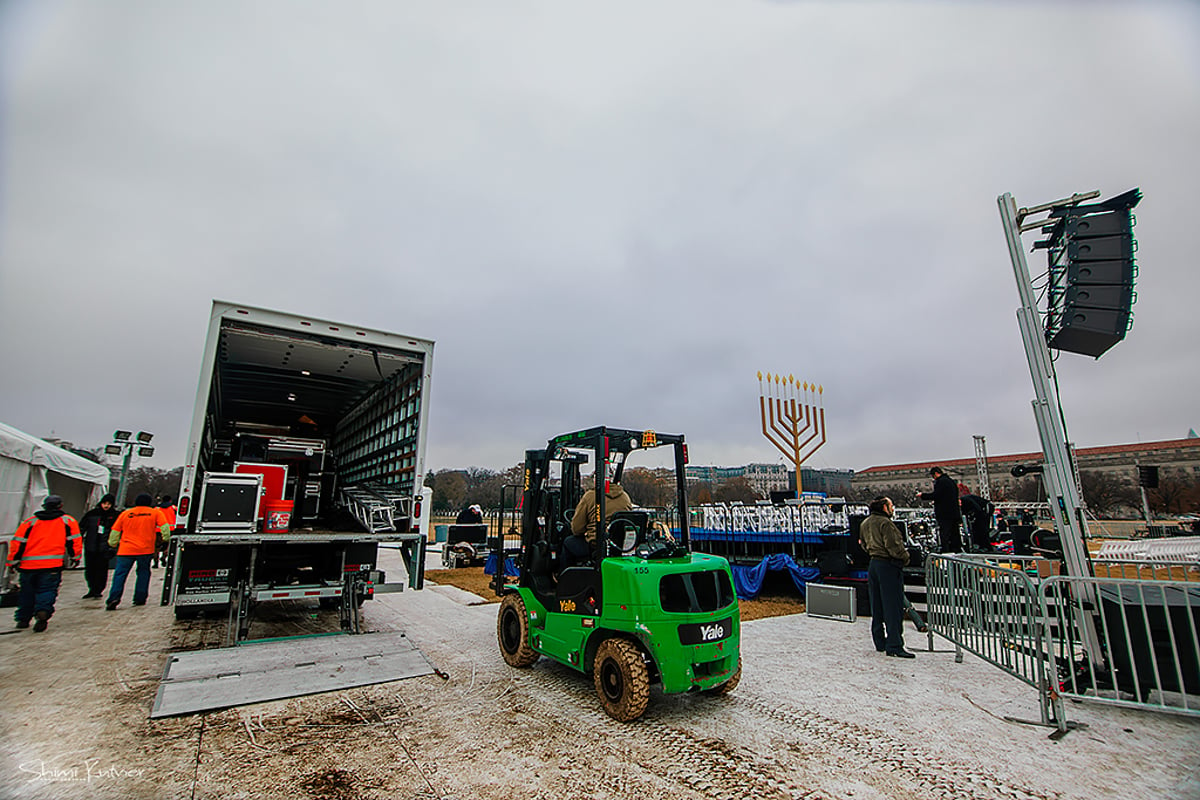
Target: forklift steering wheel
(623,536)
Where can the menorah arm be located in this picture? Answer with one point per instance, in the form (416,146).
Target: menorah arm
(764,405)
(783,434)
(820,429)
(788,453)
(794,417)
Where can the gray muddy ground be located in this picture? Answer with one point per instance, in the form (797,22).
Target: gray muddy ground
(818,714)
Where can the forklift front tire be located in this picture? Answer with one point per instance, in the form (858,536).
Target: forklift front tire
(622,680)
(512,632)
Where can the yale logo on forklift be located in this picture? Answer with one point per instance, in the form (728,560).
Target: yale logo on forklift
(705,632)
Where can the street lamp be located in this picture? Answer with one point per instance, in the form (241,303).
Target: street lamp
(124,445)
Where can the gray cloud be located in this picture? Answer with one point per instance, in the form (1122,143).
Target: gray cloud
(612,214)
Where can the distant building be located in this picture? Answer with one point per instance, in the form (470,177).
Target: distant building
(1174,458)
(832,482)
(767,478)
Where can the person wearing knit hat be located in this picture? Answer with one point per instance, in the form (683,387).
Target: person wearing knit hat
(134,534)
(94,525)
(43,546)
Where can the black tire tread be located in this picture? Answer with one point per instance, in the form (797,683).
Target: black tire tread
(513,607)
(636,679)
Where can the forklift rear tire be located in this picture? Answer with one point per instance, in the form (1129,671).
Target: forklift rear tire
(731,684)
(622,680)
(512,632)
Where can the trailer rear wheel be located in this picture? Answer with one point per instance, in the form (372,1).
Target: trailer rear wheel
(512,632)
(622,680)
(731,684)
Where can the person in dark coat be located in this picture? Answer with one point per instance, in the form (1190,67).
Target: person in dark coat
(978,513)
(945,510)
(471,515)
(97,554)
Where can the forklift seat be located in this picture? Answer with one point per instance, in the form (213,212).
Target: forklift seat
(575,551)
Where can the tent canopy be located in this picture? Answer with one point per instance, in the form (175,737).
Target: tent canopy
(30,469)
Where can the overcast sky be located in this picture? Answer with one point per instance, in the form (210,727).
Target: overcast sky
(603,213)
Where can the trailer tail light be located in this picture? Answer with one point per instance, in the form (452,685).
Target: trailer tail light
(417,506)
(685,455)
(184,503)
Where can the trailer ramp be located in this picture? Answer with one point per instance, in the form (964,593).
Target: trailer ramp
(206,680)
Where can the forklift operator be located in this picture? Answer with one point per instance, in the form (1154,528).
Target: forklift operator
(583,521)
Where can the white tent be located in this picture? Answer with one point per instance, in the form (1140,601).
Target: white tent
(30,469)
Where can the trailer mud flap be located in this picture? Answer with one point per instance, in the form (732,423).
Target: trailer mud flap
(205,680)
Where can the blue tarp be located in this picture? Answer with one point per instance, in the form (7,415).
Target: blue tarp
(748,581)
(510,567)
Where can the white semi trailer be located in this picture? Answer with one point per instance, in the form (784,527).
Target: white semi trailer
(306,453)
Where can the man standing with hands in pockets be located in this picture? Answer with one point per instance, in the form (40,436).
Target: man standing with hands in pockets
(884,543)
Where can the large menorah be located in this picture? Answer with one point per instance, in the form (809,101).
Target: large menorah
(792,418)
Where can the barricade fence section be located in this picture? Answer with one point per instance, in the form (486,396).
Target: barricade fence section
(1112,640)
(1149,632)
(994,612)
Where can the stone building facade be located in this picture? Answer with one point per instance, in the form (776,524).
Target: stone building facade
(1176,457)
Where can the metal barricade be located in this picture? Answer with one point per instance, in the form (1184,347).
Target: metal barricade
(990,606)
(1150,634)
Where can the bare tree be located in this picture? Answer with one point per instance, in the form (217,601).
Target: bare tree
(1106,493)
(735,489)
(650,487)
(1174,495)
(449,490)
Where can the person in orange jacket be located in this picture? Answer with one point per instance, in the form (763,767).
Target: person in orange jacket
(42,547)
(134,534)
(160,550)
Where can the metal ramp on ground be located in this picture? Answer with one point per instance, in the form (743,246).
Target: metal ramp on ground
(206,680)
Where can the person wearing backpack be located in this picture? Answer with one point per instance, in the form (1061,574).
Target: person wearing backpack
(43,546)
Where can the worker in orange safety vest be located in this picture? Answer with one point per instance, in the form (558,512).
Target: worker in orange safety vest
(42,547)
(160,549)
(134,534)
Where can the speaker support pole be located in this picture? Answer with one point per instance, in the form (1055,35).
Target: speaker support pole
(1057,474)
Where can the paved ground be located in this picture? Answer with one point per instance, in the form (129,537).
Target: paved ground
(818,714)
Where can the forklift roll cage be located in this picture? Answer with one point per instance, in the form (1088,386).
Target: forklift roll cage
(547,498)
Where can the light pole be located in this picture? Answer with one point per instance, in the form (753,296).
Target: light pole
(124,443)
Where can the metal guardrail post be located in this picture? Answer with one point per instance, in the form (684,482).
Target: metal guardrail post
(993,611)
(1151,632)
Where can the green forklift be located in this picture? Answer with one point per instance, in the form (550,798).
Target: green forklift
(633,608)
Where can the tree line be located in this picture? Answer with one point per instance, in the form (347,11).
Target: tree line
(455,489)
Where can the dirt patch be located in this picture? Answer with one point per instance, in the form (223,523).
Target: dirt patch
(473,580)
(334,784)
